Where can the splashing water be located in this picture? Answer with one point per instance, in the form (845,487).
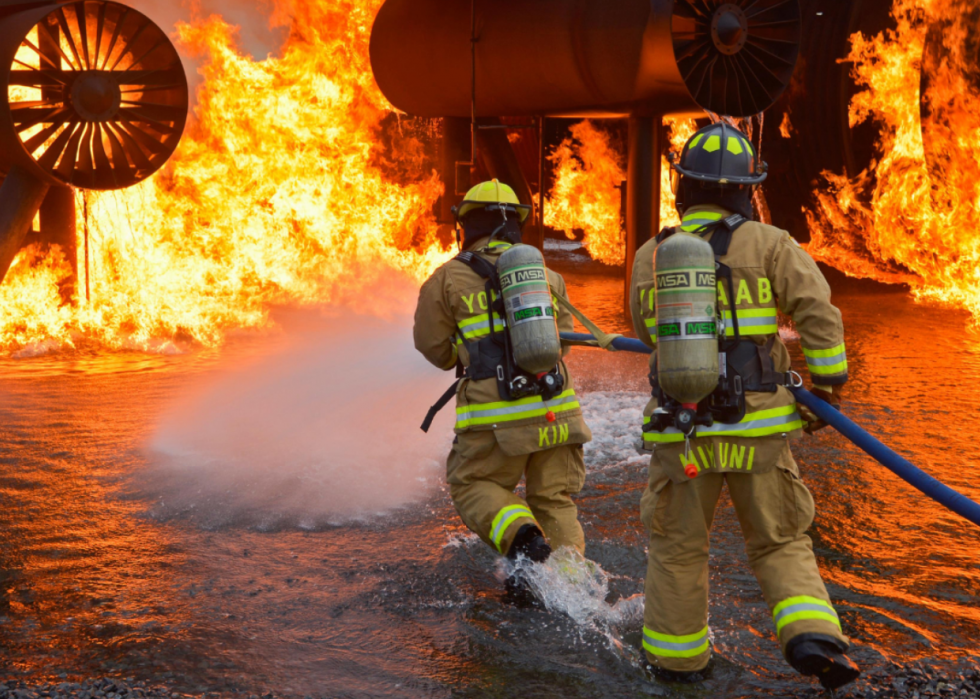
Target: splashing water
(574,586)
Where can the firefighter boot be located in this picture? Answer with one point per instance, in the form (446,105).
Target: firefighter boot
(822,657)
(530,543)
(677,677)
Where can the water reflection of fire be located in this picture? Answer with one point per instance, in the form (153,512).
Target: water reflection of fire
(282,192)
(910,222)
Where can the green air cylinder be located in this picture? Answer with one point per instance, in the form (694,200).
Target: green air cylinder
(531,321)
(687,328)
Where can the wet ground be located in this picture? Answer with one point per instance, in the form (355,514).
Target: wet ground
(134,544)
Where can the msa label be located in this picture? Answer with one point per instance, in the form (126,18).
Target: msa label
(704,328)
(673,280)
(531,313)
(525,275)
(685,279)
(706,280)
(668,330)
(691,329)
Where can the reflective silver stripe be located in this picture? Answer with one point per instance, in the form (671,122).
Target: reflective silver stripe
(804,607)
(497,412)
(755,322)
(690,645)
(769,422)
(669,646)
(505,518)
(826,361)
(484,326)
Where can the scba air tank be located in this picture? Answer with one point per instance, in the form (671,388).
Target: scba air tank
(687,329)
(530,315)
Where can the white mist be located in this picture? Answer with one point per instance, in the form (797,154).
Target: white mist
(323,431)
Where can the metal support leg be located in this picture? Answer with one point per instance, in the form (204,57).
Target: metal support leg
(58,228)
(642,190)
(455,149)
(20,198)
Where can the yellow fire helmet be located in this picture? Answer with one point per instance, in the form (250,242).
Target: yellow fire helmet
(492,195)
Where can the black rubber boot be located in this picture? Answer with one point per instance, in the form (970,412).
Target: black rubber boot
(679,677)
(822,657)
(530,542)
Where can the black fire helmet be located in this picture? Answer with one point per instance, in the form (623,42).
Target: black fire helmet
(721,154)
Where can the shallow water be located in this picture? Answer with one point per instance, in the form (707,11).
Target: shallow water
(133,542)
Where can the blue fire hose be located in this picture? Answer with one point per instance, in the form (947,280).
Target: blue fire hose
(904,469)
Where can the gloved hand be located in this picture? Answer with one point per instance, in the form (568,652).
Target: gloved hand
(828,394)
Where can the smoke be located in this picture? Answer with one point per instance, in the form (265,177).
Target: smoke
(262,26)
(322,431)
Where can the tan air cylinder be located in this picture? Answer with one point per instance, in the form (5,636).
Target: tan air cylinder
(687,329)
(531,321)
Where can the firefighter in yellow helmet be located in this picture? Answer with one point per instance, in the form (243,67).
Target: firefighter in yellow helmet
(459,324)
(747,444)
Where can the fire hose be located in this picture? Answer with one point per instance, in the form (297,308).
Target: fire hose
(904,469)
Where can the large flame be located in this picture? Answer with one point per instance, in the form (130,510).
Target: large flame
(281,192)
(906,221)
(587,196)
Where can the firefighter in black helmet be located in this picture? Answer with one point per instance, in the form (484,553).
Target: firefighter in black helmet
(749,449)
(718,168)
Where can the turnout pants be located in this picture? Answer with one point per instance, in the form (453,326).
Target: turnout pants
(482,479)
(774,510)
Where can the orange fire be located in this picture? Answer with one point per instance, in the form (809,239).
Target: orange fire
(914,218)
(587,196)
(282,192)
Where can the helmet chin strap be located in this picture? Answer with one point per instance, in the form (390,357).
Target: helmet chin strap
(503,213)
(506,236)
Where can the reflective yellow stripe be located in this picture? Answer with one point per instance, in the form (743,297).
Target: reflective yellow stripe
(827,362)
(753,313)
(482,322)
(712,144)
(510,411)
(758,424)
(831,370)
(694,221)
(455,358)
(507,516)
(696,141)
(499,244)
(803,607)
(752,321)
(530,400)
(734,145)
(651,324)
(832,352)
(668,646)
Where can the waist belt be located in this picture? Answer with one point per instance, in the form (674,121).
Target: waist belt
(439,405)
(753,363)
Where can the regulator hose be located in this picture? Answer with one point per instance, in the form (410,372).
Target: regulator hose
(904,469)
